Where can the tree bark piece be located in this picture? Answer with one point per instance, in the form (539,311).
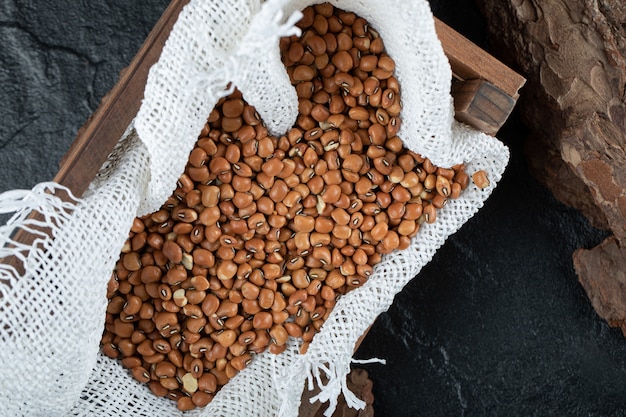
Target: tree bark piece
(602,272)
(574,57)
(573,54)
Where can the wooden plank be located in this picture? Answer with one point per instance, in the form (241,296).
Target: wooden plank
(468,62)
(97,138)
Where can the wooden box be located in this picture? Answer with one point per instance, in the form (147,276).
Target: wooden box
(484,90)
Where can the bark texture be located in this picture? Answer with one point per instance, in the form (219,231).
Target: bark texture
(574,56)
(603,281)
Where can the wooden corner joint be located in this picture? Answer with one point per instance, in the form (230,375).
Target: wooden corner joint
(481,104)
(484,89)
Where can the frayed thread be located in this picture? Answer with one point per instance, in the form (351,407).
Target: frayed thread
(336,375)
(54,212)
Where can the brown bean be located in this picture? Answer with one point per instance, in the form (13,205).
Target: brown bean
(133,305)
(225,337)
(358,113)
(278,334)
(303,73)
(391,241)
(146,311)
(207,383)
(304,224)
(331,194)
(343,61)
(300,278)
(297,297)
(233,107)
(481,179)
(342,231)
(429,214)
(240,362)
(379,231)
(201,399)
(296,51)
(184,403)
(266,298)
(262,320)
(162,346)
(271,271)
(278,191)
(226,270)
(455,191)
(157,389)
(462,179)
(173,251)
(261,228)
(406,227)
(227,309)
(141,374)
(316,45)
(439,201)
(132,261)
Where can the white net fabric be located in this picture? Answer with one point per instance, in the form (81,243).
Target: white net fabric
(52,315)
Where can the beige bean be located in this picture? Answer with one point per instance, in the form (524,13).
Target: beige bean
(481,179)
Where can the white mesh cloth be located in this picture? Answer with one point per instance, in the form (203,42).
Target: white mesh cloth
(52,313)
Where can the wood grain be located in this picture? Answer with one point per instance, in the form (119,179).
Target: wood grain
(469,62)
(481,104)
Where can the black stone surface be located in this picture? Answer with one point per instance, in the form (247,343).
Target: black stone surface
(495,325)
(57,59)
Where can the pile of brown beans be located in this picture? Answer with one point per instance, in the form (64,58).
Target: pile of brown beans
(263,234)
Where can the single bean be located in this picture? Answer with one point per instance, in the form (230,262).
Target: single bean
(262,321)
(303,73)
(225,337)
(481,179)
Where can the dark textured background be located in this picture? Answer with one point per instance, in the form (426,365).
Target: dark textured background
(495,325)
